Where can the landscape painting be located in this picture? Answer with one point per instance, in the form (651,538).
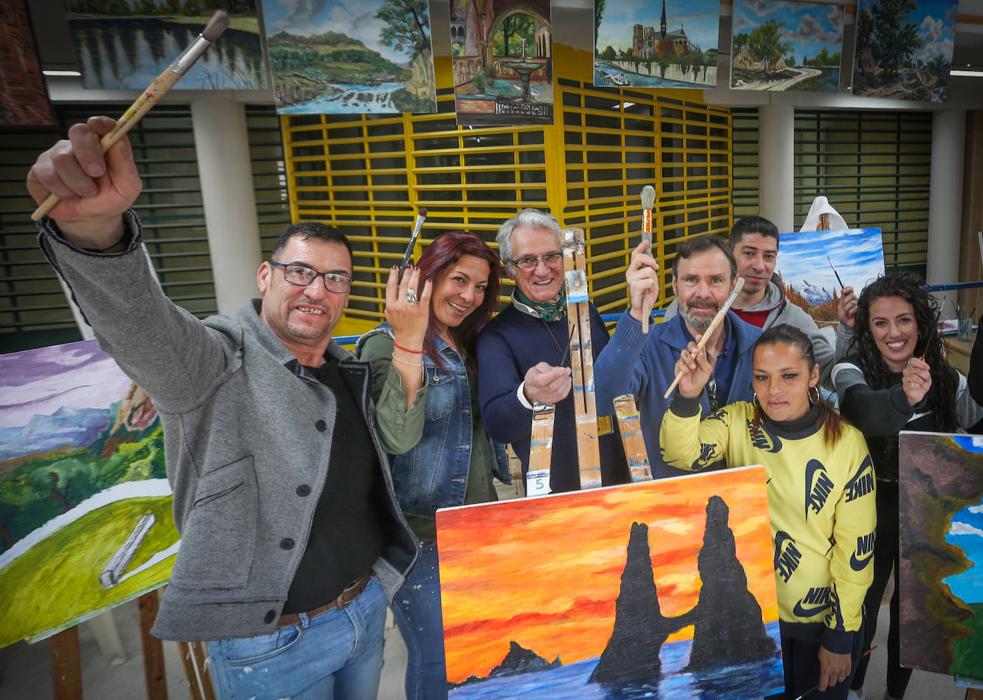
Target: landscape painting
(656,43)
(85,506)
(660,589)
(809,262)
(23,97)
(126,45)
(904,49)
(941,570)
(782,45)
(501,57)
(350,56)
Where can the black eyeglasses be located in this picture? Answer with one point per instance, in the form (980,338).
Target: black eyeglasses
(302,276)
(529,262)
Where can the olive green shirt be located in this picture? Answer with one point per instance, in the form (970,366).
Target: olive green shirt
(390,401)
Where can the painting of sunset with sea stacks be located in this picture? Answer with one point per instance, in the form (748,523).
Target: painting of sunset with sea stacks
(661,589)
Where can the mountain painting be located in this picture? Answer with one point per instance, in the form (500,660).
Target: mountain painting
(807,260)
(904,49)
(350,56)
(85,506)
(660,589)
(656,43)
(125,45)
(783,45)
(941,571)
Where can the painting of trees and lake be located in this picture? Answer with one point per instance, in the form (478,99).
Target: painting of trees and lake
(85,505)
(904,49)
(661,589)
(126,44)
(350,56)
(786,46)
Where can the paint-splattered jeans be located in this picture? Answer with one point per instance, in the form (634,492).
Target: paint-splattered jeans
(335,655)
(416,608)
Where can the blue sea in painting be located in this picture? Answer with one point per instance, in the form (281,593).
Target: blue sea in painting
(731,682)
(966,532)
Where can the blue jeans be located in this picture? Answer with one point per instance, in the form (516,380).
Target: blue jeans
(416,608)
(337,654)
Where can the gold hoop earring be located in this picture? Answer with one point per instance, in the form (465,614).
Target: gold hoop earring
(818,396)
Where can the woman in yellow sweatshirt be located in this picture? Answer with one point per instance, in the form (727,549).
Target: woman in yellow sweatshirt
(820,492)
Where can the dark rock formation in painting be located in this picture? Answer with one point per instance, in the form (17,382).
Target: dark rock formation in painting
(517,661)
(939,477)
(632,653)
(728,629)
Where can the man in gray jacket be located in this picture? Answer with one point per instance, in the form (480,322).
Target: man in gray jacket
(291,539)
(762,301)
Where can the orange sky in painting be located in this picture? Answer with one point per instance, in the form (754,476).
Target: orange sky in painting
(545,572)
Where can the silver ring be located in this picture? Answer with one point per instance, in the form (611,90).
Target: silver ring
(411,297)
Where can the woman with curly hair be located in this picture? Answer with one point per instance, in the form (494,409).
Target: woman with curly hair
(895,377)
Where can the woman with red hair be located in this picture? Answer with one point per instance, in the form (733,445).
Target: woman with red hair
(427,384)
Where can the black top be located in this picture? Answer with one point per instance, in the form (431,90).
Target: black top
(975,377)
(346,536)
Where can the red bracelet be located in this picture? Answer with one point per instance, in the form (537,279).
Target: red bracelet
(412,352)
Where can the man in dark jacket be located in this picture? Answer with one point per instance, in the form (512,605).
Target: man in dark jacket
(523,355)
(291,539)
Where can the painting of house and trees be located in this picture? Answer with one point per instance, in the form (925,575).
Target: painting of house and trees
(85,505)
(501,56)
(343,56)
(786,46)
(656,43)
(904,48)
(661,589)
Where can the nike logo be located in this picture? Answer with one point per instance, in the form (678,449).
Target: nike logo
(861,483)
(864,552)
(787,555)
(801,611)
(818,486)
(762,439)
(813,603)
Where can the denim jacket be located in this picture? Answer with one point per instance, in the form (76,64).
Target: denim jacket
(433,473)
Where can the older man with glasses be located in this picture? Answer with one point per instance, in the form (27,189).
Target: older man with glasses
(524,357)
(291,538)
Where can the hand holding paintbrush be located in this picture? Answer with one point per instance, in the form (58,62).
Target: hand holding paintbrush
(648,203)
(157,89)
(408,253)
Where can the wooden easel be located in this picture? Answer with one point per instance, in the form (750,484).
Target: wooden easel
(66,663)
(581,357)
(630,426)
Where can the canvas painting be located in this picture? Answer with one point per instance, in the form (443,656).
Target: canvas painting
(85,506)
(816,265)
(783,45)
(23,97)
(660,589)
(350,56)
(501,56)
(904,49)
(656,43)
(941,506)
(126,45)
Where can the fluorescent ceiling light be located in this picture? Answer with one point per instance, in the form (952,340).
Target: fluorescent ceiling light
(62,73)
(967,73)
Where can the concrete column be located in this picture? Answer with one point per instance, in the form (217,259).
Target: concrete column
(776,164)
(945,202)
(222,148)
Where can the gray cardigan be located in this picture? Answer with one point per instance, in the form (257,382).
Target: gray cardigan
(243,429)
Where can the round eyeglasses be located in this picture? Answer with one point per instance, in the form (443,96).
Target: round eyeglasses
(529,262)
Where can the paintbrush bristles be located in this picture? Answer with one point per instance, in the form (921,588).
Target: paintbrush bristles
(648,197)
(423,211)
(216,26)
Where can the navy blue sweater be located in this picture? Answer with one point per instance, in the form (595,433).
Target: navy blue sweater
(508,346)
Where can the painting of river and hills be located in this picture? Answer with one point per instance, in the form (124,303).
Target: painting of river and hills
(904,49)
(941,571)
(126,44)
(85,506)
(350,56)
(780,45)
(661,589)
(656,43)
(809,262)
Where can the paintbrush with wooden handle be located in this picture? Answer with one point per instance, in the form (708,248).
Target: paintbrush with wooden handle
(157,89)
(717,320)
(408,253)
(648,203)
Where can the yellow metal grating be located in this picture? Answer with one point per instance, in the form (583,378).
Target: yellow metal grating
(369,175)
